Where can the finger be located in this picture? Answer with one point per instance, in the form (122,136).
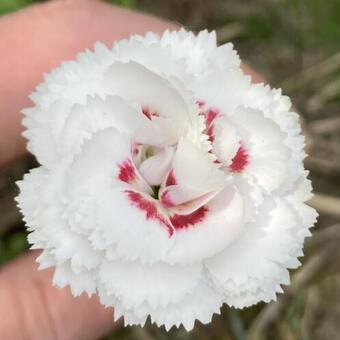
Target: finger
(31,308)
(37,39)
(255,77)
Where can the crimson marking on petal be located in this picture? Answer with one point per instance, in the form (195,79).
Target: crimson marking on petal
(184,221)
(148,113)
(149,208)
(135,151)
(240,160)
(200,103)
(171,179)
(127,172)
(210,133)
(166,200)
(211,115)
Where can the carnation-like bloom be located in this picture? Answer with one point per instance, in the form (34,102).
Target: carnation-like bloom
(169,184)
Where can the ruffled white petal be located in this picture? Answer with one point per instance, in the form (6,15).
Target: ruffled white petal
(223,90)
(226,141)
(205,178)
(135,232)
(156,285)
(263,252)
(168,183)
(200,304)
(78,282)
(137,84)
(263,141)
(121,215)
(221,223)
(276,107)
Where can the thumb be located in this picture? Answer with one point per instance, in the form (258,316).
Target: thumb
(31,308)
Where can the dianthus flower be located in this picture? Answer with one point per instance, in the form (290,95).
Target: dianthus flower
(169,184)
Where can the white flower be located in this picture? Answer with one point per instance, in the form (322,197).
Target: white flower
(169,184)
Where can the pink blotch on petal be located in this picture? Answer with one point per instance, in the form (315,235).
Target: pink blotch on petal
(127,172)
(135,151)
(166,200)
(184,221)
(210,116)
(148,113)
(200,103)
(171,179)
(240,160)
(210,133)
(150,208)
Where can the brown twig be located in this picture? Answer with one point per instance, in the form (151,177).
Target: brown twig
(308,75)
(325,126)
(322,165)
(326,204)
(229,32)
(326,93)
(322,237)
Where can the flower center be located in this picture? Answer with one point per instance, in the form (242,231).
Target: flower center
(174,184)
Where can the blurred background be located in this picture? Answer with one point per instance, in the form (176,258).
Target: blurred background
(295,45)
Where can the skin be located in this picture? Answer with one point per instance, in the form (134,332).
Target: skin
(31,308)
